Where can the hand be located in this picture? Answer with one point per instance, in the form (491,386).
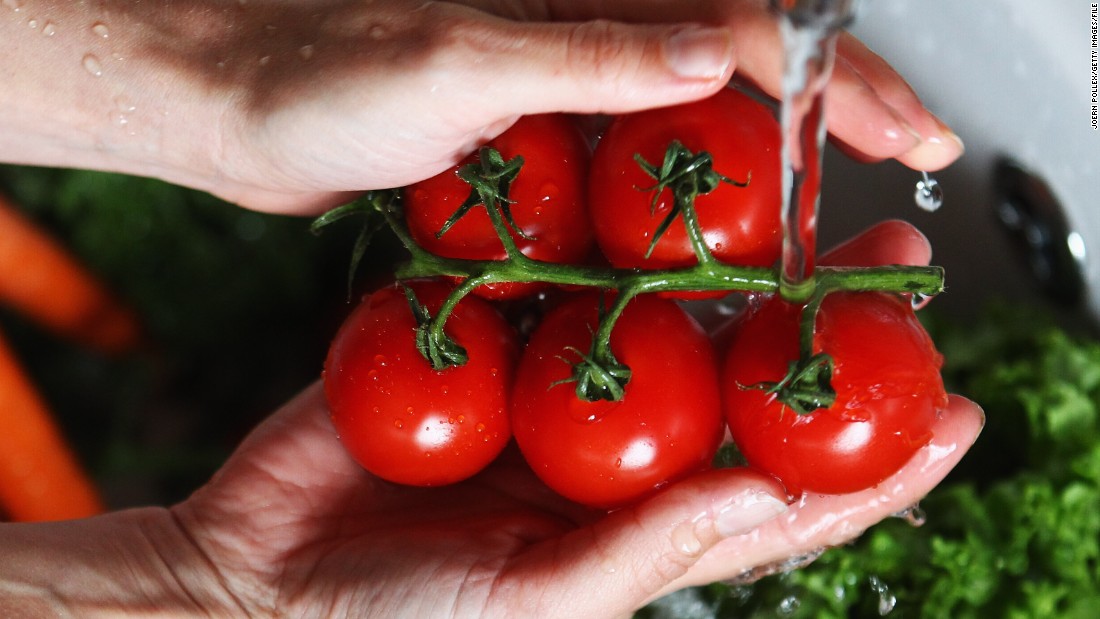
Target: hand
(291,526)
(291,523)
(290,106)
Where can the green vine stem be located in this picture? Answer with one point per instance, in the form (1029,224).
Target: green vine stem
(809,375)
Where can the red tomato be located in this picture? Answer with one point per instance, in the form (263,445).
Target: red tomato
(605,454)
(549,203)
(741,225)
(399,418)
(888,393)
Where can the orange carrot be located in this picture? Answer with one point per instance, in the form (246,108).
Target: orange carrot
(40,478)
(39,278)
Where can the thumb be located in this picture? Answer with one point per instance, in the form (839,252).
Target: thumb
(607,66)
(621,561)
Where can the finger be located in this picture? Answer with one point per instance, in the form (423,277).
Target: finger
(604,66)
(888,242)
(938,145)
(623,559)
(821,521)
(862,121)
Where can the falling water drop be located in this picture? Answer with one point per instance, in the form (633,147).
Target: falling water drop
(928,194)
(788,606)
(886,598)
(92,65)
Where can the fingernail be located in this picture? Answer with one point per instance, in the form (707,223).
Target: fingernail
(938,148)
(700,53)
(745,513)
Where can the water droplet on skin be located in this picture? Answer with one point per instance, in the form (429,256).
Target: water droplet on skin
(306,52)
(100,30)
(33,23)
(928,195)
(92,65)
(686,540)
(914,515)
(377,32)
(48,29)
(15,5)
(264,60)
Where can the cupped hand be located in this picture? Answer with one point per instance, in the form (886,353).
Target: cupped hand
(341,96)
(292,525)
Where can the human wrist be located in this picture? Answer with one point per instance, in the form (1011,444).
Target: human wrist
(112,87)
(136,562)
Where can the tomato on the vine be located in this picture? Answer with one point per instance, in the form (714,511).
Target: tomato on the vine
(740,225)
(668,424)
(401,419)
(547,202)
(887,383)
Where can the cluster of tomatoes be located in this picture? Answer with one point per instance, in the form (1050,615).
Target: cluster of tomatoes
(412,414)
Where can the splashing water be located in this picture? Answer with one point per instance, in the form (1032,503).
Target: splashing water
(809,29)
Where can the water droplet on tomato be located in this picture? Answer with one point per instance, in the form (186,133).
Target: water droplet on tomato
(380,360)
(397,423)
(549,191)
(493,371)
(480,427)
(461,419)
(618,463)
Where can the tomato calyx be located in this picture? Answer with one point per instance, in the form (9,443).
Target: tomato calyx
(434,345)
(490,179)
(597,376)
(687,175)
(806,387)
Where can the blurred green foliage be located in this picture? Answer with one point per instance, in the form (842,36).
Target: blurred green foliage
(238,307)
